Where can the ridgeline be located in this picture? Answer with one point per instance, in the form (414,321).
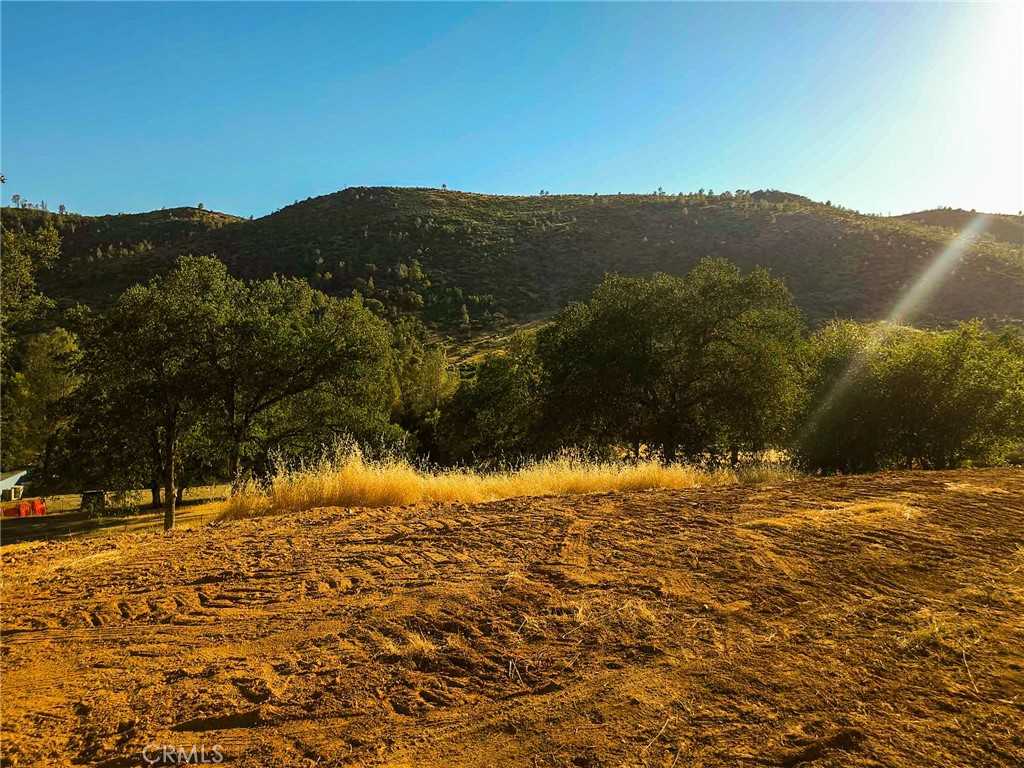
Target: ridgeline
(472,261)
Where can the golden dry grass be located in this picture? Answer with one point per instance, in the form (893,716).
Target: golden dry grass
(866,514)
(347,479)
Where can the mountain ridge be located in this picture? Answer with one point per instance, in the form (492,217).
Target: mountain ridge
(474,260)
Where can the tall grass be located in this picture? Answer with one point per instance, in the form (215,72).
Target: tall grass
(346,478)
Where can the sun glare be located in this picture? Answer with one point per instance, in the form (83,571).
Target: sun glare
(909,302)
(991,107)
(937,271)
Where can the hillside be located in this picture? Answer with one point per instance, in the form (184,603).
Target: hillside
(516,258)
(103,255)
(845,621)
(1009,229)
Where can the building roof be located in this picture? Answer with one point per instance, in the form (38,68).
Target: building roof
(10,479)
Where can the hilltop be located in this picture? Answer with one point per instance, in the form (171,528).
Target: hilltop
(498,260)
(1009,229)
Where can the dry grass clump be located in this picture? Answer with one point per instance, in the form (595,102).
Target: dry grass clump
(766,472)
(419,649)
(348,479)
(938,632)
(880,513)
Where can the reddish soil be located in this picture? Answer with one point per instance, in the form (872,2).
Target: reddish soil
(860,621)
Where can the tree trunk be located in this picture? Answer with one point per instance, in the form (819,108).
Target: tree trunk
(235,452)
(170,497)
(181,491)
(233,463)
(734,455)
(668,448)
(156,468)
(235,449)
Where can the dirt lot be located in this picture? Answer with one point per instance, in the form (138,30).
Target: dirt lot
(849,621)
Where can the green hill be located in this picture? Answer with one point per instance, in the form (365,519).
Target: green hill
(511,259)
(103,255)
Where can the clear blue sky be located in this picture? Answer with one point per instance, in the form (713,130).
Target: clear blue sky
(247,107)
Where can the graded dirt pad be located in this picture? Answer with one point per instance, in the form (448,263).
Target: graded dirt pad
(872,620)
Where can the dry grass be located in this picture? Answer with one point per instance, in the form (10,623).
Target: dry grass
(347,479)
(942,632)
(766,472)
(864,514)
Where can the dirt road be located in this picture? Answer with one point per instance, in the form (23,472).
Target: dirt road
(861,621)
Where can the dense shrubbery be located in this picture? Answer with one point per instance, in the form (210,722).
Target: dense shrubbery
(715,365)
(883,396)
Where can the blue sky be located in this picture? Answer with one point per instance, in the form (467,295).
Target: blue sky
(247,107)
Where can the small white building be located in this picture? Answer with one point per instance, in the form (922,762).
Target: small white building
(10,490)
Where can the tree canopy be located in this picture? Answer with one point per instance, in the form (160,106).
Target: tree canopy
(201,376)
(198,356)
(882,396)
(703,363)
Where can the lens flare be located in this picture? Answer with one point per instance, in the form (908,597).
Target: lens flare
(911,300)
(926,284)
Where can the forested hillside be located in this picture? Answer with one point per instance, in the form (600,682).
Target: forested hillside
(467,261)
(199,376)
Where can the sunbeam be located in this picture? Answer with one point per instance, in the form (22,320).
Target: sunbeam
(911,300)
(932,278)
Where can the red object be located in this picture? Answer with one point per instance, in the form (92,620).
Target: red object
(26,508)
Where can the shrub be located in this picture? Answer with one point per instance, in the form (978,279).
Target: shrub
(884,396)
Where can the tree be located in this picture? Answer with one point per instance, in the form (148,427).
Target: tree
(494,414)
(21,304)
(198,367)
(282,339)
(839,426)
(24,255)
(978,386)
(104,444)
(682,363)
(884,396)
(149,356)
(425,379)
(34,400)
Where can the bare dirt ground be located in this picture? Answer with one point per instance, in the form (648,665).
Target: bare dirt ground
(860,621)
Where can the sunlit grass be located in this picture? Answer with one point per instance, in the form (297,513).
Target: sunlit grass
(348,479)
